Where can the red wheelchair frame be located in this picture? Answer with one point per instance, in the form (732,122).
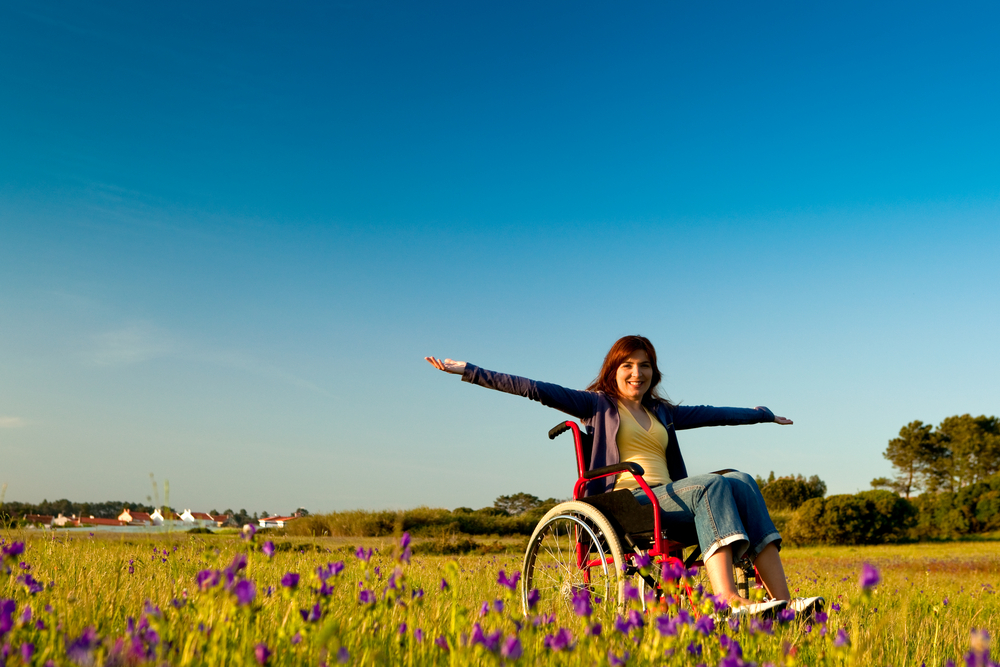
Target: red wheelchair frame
(662,551)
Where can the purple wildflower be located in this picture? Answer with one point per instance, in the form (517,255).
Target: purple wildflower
(705,625)
(13,550)
(404,545)
(402,628)
(533,597)
(418,634)
(869,576)
(622,625)
(498,606)
(441,642)
(262,653)
(635,619)
(268,548)
(615,661)
(27,650)
(239,563)
(666,625)
(79,649)
(245,592)
(485,609)
(511,648)
(342,655)
(32,584)
(207,579)
(511,582)
(786,615)
(631,592)
(581,602)
(820,617)
(757,625)
(836,607)
(842,638)
(366,597)
(642,561)
(249,530)
(311,615)
(490,642)
(560,641)
(363,554)
(26,614)
(290,580)
(594,630)
(694,649)
(444,584)
(7,608)
(731,646)
(297,638)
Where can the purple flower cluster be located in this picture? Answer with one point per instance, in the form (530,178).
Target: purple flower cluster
(561,640)
(508,582)
(869,576)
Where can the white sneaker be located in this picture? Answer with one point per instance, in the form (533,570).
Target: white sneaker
(806,607)
(764,610)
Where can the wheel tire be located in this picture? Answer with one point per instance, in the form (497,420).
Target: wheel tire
(550,560)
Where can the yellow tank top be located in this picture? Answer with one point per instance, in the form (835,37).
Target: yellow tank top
(647,448)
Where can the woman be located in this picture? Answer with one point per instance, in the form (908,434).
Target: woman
(631,422)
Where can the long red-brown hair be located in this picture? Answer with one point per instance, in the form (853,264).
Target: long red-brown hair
(606,380)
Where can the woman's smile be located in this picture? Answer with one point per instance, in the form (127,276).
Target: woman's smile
(634,375)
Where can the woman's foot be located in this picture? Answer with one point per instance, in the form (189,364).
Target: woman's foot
(741,608)
(806,607)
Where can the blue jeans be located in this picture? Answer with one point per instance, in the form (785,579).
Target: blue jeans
(715,511)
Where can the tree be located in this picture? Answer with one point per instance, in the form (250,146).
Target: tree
(519,503)
(302,511)
(973,448)
(912,454)
(790,492)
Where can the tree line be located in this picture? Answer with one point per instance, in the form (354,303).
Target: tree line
(961,451)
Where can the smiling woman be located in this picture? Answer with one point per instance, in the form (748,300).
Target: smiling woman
(631,422)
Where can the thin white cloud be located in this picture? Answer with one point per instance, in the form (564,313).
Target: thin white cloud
(12,422)
(131,345)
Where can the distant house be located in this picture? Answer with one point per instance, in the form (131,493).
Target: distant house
(61,520)
(276,521)
(160,518)
(38,519)
(223,520)
(199,519)
(134,518)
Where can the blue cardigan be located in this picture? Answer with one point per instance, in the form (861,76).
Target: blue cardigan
(599,413)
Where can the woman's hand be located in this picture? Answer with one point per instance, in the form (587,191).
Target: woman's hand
(782,420)
(450,366)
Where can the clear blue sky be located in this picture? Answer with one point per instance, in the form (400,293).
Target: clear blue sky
(229,232)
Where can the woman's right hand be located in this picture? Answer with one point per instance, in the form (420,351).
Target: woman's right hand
(448,365)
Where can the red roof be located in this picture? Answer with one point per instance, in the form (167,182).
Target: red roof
(201,516)
(221,517)
(38,518)
(139,516)
(278,518)
(92,521)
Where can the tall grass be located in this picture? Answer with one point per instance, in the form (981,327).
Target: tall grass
(388,611)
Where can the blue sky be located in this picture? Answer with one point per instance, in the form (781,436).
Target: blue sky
(230,233)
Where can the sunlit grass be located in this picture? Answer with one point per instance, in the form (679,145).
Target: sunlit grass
(930,597)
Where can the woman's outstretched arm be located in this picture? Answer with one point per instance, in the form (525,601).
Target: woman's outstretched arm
(580,404)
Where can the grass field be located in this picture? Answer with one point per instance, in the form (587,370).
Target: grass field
(189,599)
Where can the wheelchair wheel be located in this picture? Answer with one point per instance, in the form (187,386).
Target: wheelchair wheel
(572,548)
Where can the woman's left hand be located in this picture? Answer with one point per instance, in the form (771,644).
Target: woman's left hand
(782,420)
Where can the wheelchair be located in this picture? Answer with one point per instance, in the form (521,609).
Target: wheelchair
(595,543)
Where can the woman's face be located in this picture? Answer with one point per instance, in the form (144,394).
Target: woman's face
(634,375)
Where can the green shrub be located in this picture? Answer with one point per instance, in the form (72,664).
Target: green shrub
(869,517)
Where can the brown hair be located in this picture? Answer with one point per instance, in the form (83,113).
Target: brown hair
(606,379)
